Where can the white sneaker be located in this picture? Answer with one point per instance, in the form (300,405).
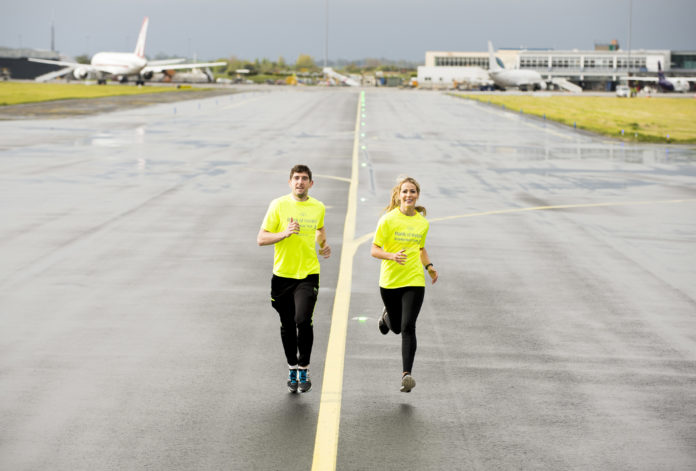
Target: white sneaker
(407,383)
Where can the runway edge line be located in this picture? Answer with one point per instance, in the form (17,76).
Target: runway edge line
(328,422)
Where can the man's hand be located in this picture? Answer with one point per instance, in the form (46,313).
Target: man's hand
(293,228)
(325,251)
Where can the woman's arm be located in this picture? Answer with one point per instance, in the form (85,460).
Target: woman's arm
(425,260)
(398,257)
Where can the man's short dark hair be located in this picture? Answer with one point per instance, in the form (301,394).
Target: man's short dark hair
(301,169)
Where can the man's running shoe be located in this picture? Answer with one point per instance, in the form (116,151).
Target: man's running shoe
(292,380)
(407,383)
(305,382)
(382,323)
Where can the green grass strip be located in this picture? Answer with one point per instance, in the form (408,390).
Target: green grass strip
(643,119)
(14,93)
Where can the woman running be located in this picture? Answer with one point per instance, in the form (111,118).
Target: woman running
(400,243)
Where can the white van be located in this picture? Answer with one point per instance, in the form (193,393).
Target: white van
(623,91)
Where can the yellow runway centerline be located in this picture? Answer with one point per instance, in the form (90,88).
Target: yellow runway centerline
(326,440)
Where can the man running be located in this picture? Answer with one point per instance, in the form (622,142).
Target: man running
(294,223)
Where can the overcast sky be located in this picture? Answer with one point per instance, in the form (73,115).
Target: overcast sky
(358,29)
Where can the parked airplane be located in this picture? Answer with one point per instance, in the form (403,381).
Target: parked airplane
(342,79)
(671,84)
(522,79)
(120,64)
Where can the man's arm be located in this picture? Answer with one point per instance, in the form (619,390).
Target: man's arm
(269,238)
(324,249)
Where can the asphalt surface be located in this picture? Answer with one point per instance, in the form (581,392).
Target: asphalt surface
(136,330)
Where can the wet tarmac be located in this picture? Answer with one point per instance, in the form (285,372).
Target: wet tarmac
(136,329)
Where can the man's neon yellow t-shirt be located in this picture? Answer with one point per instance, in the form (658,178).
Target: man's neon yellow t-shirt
(296,256)
(396,231)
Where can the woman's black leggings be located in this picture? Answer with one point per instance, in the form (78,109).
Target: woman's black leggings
(403,306)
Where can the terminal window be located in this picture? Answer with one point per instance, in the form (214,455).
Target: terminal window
(684,61)
(634,63)
(599,63)
(461,62)
(565,62)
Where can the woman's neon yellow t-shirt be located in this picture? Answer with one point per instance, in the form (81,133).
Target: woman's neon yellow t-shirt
(396,231)
(296,256)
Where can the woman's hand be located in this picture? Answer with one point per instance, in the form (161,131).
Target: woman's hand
(433,274)
(399,257)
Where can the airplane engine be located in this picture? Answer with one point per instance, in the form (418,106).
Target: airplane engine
(81,73)
(147,75)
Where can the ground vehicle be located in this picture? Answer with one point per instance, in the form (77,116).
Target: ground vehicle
(623,91)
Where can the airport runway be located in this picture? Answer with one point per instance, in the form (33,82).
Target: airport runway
(136,330)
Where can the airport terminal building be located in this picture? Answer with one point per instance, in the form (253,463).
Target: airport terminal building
(598,69)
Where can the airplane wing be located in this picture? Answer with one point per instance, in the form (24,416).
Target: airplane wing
(342,79)
(657,79)
(54,74)
(84,69)
(641,79)
(163,67)
(165,62)
(74,65)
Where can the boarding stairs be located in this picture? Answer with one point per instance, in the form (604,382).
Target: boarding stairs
(565,84)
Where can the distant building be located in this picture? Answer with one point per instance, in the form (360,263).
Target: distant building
(599,69)
(16,63)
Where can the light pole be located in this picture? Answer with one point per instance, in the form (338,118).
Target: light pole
(326,39)
(630,22)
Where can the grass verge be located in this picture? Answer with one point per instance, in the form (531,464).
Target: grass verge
(15,93)
(664,120)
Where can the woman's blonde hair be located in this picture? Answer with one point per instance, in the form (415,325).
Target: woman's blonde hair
(396,191)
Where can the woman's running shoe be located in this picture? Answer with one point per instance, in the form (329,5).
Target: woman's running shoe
(383,322)
(407,383)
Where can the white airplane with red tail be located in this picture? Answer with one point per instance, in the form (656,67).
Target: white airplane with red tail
(120,64)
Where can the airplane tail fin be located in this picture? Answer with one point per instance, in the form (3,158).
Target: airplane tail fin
(492,61)
(140,45)
(660,74)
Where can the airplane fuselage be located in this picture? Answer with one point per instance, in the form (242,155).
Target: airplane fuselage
(118,63)
(680,85)
(673,84)
(517,78)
